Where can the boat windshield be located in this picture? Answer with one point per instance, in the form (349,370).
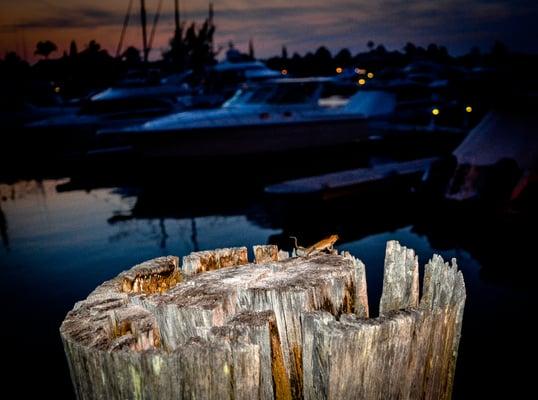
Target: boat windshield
(276,94)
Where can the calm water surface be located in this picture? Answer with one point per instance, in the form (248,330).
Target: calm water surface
(57,246)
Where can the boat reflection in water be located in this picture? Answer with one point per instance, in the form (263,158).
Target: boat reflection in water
(271,116)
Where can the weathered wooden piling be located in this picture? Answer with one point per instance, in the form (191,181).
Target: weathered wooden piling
(220,327)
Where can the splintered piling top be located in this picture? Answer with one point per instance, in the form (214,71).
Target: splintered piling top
(277,327)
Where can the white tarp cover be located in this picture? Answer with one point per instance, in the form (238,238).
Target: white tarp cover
(501,135)
(371,103)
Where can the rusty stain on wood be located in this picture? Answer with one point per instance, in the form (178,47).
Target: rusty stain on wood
(219,327)
(282,387)
(265,254)
(153,276)
(203,261)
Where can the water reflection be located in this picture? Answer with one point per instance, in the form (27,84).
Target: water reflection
(194,235)
(64,243)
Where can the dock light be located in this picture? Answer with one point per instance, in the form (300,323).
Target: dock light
(357,71)
(57,89)
(361,82)
(435,111)
(468,109)
(370,75)
(339,70)
(284,72)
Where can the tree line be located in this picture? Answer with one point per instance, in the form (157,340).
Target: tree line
(191,48)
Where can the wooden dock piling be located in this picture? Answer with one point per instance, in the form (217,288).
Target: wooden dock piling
(219,327)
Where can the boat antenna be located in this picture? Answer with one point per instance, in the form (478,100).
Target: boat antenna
(154,27)
(176,14)
(124,28)
(144,32)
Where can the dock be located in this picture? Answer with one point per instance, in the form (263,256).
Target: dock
(347,182)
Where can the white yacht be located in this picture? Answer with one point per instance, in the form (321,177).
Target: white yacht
(271,116)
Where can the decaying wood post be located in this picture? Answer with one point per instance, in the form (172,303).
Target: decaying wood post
(220,327)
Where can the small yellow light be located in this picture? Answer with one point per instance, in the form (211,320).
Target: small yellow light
(370,75)
(339,70)
(469,109)
(284,72)
(57,89)
(435,111)
(362,81)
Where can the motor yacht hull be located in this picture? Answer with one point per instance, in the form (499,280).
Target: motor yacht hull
(236,139)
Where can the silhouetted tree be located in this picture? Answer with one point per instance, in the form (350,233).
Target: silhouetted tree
(443,53)
(370,44)
(177,54)
(343,58)
(380,49)
(93,47)
(14,72)
(296,63)
(131,55)
(200,46)
(73,51)
(322,53)
(45,48)
(499,50)
(322,62)
(432,50)
(410,49)
(13,61)
(284,55)
(192,49)
(251,49)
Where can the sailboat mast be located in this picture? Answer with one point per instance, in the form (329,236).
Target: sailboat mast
(176,14)
(210,23)
(124,29)
(144,32)
(154,27)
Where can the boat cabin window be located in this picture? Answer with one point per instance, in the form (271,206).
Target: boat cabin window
(260,95)
(276,94)
(331,89)
(295,93)
(336,95)
(288,93)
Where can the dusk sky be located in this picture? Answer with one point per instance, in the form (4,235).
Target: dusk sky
(301,25)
